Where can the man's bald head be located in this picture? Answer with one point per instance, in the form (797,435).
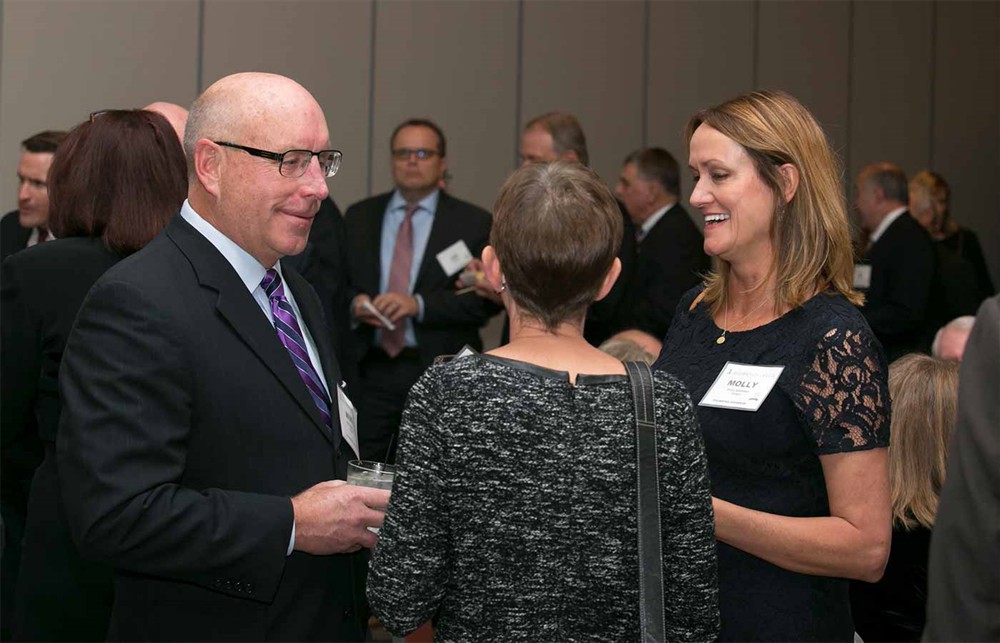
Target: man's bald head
(242,105)
(175,114)
(949,343)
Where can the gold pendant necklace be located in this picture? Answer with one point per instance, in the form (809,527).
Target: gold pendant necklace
(721,339)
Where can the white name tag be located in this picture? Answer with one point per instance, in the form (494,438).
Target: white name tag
(348,420)
(454,257)
(741,387)
(862,276)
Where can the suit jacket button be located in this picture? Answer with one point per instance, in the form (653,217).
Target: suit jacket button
(348,613)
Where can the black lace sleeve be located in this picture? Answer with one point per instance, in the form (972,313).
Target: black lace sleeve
(843,396)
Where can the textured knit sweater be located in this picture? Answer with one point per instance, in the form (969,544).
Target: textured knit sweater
(513,514)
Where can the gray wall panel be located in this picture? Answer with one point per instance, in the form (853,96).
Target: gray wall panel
(587,58)
(890,85)
(966,128)
(63,59)
(323,45)
(454,62)
(802,48)
(689,72)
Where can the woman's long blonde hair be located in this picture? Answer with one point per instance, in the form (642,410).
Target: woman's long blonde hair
(810,234)
(924,392)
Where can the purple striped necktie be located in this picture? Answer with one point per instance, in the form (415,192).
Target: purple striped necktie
(291,338)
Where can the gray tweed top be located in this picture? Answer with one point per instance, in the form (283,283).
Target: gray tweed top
(513,514)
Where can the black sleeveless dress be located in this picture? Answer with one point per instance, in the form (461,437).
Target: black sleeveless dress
(831,397)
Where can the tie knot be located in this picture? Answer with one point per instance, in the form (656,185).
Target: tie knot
(271,283)
(411,208)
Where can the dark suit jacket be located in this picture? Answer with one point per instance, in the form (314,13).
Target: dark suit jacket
(603,317)
(60,596)
(671,261)
(185,430)
(12,236)
(903,273)
(963,585)
(323,264)
(450,321)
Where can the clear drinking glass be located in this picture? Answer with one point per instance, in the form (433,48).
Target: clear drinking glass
(367,473)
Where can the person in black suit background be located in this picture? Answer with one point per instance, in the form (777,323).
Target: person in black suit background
(671,258)
(139,164)
(406,248)
(323,264)
(28,225)
(558,136)
(897,271)
(204,437)
(21,451)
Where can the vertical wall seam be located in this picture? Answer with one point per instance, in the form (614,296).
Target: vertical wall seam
(755,29)
(932,86)
(645,73)
(371,99)
(199,73)
(848,126)
(519,82)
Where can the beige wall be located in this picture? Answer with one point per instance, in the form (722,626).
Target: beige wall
(915,82)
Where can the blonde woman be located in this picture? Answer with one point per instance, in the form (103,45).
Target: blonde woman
(924,394)
(962,268)
(789,381)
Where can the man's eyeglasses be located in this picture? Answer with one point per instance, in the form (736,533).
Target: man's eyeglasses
(421,153)
(294,163)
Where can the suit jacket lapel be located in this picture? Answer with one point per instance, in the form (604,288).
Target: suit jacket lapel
(373,240)
(238,307)
(441,231)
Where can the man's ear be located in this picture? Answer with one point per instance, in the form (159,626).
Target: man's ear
(208,165)
(491,266)
(790,177)
(569,155)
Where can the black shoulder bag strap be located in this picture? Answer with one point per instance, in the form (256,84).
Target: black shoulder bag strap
(650,546)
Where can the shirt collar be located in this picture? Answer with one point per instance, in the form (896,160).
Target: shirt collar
(428,204)
(648,224)
(886,222)
(250,271)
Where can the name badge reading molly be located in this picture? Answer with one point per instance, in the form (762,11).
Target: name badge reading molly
(741,387)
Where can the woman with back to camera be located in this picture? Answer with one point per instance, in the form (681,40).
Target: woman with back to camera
(796,452)
(115,182)
(513,513)
(924,393)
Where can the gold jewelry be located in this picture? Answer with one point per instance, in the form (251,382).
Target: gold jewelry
(725,328)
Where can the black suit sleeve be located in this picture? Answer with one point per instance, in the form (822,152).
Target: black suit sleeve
(19,364)
(963,601)
(124,434)
(907,287)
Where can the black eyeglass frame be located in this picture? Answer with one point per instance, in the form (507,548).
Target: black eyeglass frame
(280,157)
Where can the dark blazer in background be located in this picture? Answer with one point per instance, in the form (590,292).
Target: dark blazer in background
(12,236)
(450,321)
(323,264)
(903,272)
(185,430)
(603,316)
(60,596)
(963,584)
(671,260)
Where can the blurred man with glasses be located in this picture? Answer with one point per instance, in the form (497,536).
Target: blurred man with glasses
(406,248)
(205,433)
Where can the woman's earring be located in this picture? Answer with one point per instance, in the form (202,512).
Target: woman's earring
(503,285)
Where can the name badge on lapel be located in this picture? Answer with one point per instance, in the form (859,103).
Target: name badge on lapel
(862,276)
(454,257)
(741,387)
(348,420)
